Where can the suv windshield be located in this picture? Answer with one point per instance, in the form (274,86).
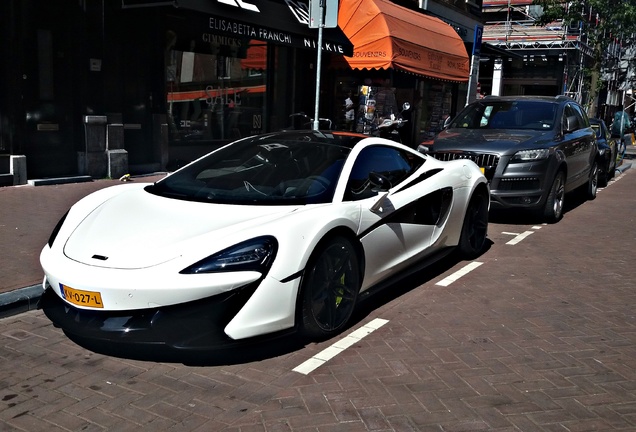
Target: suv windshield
(497,114)
(267,170)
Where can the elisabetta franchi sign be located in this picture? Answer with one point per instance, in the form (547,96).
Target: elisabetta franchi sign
(228,27)
(245,30)
(284,22)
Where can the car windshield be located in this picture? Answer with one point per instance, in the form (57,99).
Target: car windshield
(264,170)
(497,114)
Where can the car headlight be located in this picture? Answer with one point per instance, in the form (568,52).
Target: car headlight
(56,230)
(256,254)
(531,155)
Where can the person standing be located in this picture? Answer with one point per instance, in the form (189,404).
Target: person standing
(350,112)
(621,129)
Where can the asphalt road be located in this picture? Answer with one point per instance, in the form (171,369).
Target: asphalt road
(537,334)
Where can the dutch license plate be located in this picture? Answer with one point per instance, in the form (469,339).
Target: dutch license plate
(82,298)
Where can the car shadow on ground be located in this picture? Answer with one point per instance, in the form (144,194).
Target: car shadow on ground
(236,353)
(397,289)
(573,200)
(255,350)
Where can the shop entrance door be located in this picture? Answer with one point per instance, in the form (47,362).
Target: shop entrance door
(49,136)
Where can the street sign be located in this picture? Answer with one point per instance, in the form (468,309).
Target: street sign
(330,9)
(479,31)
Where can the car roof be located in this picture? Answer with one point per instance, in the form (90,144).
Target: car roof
(342,138)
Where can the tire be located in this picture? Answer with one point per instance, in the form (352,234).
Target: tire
(592,183)
(329,288)
(604,175)
(474,228)
(553,209)
(612,171)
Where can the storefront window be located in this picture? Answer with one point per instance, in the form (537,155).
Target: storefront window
(217,96)
(437,106)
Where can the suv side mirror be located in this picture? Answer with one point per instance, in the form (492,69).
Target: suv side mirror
(447,122)
(571,124)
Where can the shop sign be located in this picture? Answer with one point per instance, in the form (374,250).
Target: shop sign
(287,23)
(243,30)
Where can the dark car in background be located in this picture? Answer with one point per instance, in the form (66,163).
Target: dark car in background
(532,149)
(607,150)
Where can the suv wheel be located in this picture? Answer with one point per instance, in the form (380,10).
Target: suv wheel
(553,210)
(592,184)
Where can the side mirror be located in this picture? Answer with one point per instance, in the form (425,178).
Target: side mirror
(570,124)
(447,122)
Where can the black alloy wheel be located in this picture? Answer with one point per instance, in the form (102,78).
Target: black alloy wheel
(329,288)
(475,227)
(604,173)
(553,209)
(592,184)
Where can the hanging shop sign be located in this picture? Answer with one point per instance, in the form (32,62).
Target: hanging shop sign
(284,22)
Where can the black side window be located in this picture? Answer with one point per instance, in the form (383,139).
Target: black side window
(392,164)
(584,121)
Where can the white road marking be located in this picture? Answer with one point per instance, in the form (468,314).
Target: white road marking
(339,346)
(519,237)
(459,273)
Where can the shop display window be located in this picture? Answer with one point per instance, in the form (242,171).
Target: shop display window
(219,96)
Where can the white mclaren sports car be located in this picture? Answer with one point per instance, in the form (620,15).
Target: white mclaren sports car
(272,233)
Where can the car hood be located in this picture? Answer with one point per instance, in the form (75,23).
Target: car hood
(136,229)
(497,141)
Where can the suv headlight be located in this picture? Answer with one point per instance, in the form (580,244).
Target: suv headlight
(256,254)
(531,155)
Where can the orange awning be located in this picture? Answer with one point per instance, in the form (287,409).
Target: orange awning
(385,35)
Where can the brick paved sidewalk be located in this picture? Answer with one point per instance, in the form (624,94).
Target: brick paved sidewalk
(27,217)
(540,337)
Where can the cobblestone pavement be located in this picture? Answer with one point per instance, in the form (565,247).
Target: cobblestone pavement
(540,335)
(27,217)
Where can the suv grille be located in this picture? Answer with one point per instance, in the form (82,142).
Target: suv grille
(486,161)
(519,184)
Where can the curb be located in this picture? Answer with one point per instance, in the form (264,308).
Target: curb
(624,167)
(59,180)
(20,300)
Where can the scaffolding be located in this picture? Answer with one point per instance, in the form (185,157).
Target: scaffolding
(517,30)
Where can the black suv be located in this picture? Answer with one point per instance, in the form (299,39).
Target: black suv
(532,149)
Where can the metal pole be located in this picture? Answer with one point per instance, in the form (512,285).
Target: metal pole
(319,64)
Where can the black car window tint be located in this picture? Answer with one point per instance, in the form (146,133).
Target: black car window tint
(504,117)
(584,121)
(536,115)
(261,171)
(392,164)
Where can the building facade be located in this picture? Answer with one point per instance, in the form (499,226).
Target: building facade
(104,88)
(547,59)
